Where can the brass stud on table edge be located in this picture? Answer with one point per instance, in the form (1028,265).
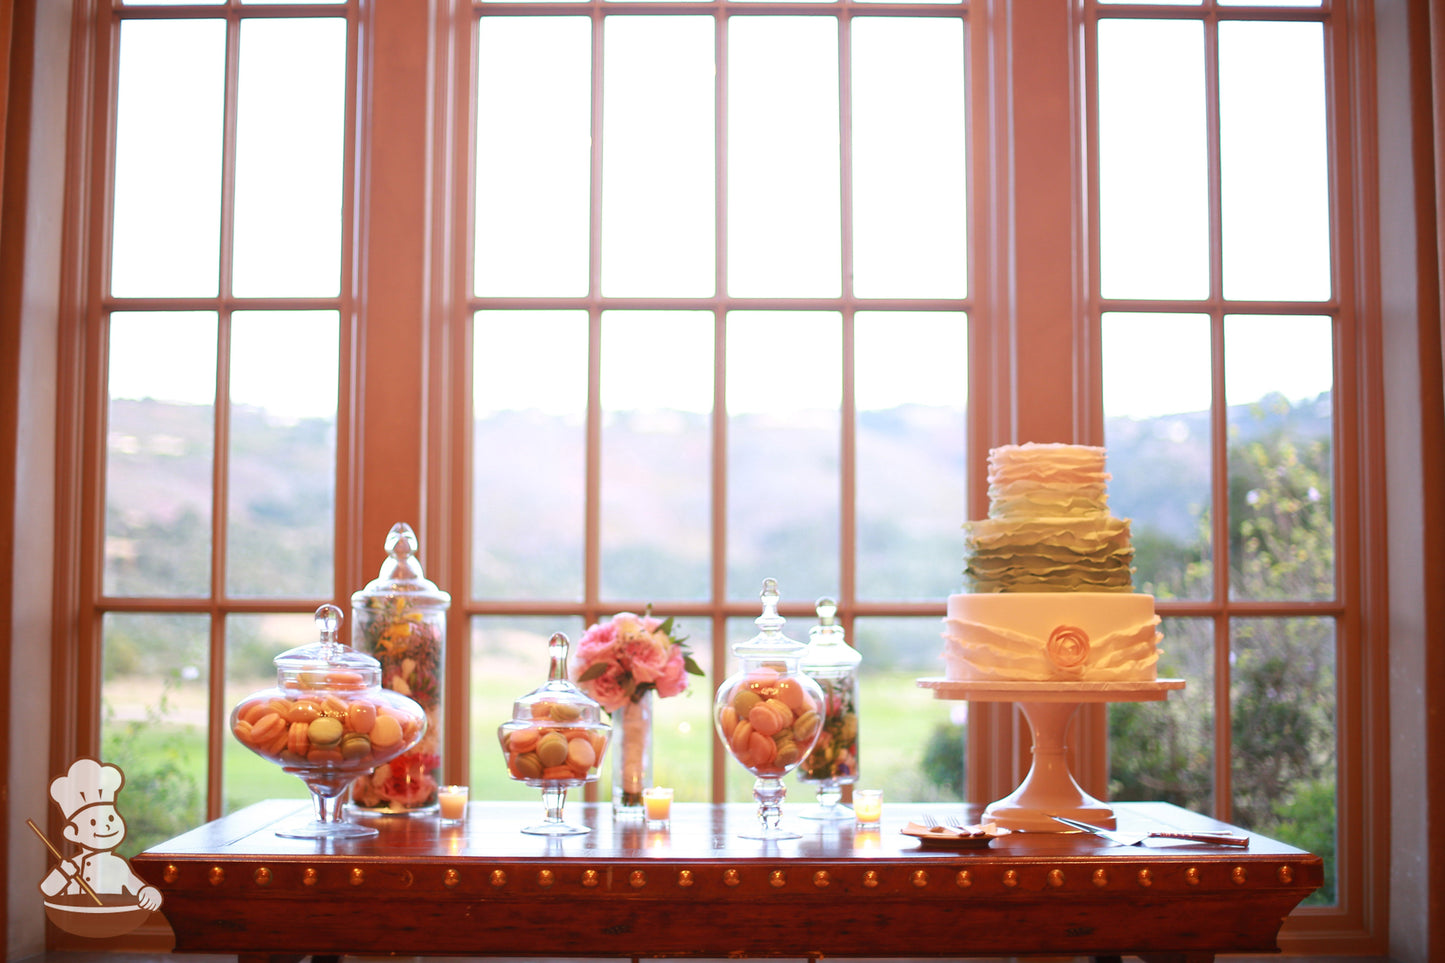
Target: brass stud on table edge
(919,878)
(545,878)
(499,877)
(963,879)
(1146,878)
(1191,876)
(262,876)
(684,877)
(217,876)
(1011,878)
(777,879)
(870,878)
(589,878)
(1286,874)
(730,877)
(451,878)
(637,879)
(309,876)
(1101,878)
(821,879)
(1056,878)
(1239,875)
(358,876)
(171,873)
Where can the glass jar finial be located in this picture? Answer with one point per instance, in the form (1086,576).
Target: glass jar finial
(328,626)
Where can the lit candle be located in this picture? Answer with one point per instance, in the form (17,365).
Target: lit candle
(657,804)
(453,802)
(868,805)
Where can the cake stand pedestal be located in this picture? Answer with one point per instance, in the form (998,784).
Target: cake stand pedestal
(1049,789)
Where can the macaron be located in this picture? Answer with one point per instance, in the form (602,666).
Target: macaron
(265,729)
(361,716)
(298,738)
(743,701)
(385,733)
(355,746)
(304,710)
(522,740)
(527,766)
(325,732)
(580,754)
(552,749)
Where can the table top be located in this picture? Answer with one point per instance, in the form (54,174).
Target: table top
(485,888)
(998,690)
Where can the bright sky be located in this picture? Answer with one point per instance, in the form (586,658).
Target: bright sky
(659,239)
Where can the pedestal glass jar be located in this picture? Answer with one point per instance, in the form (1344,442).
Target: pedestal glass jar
(327,720)
(833,763)
(400,618)
(555,741)
(768,713)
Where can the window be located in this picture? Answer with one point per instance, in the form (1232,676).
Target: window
(607,341)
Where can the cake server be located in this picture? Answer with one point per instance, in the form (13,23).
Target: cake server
(1134,839)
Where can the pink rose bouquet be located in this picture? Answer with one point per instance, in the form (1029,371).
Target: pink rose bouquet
(620,660)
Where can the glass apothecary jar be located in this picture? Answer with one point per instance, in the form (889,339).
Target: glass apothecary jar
(768,713)
(400,619)
(833,762)
(327,720)
(555,741)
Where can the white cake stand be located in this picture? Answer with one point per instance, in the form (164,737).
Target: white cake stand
(1049,789)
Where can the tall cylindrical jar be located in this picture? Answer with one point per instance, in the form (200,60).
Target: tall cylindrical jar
(400,619)
(833,762)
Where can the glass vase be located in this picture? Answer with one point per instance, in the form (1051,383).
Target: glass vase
(631,755)
(400,619)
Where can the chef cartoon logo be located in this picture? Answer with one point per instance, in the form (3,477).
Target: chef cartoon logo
(93,892)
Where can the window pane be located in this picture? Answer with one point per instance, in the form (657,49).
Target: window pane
(784,392)
(1164,750)
(167,215)
(282,492)
(1283,703)
(534,131)
(290,125)
(1281,454)
(1157,429)
(783,216)
(1153,187)
(909,743)
(912,436)
(658,189)
(910,204)
(529,395)
(159,448)
(154,671)
(509,659)
(1274,161)
(252,643)
(656,506)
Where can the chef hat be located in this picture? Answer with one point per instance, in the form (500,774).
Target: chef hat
(88,783)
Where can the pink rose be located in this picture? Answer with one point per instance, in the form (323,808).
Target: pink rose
(608,690)
(673,680)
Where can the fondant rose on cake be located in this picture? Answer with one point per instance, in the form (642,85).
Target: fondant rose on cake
(1048,579)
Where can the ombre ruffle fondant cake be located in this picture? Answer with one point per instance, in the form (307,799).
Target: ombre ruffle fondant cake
(1048,578)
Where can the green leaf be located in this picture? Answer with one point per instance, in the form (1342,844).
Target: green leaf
(690,664)
(593,671)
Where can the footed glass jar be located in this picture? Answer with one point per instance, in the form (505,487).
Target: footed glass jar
(400,618)
(555,741)
(327,720)
(768,714)
(832,663)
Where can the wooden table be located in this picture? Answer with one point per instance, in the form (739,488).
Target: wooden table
(698,890)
